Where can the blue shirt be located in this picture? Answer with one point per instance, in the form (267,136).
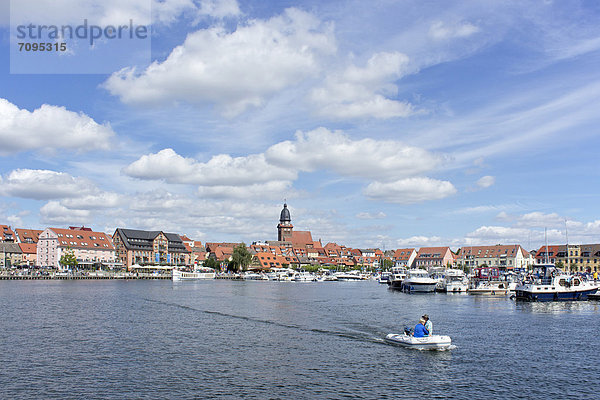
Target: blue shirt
(420,331)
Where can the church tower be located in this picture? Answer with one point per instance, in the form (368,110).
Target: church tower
(284,229)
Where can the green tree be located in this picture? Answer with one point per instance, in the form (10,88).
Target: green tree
(240,258)
(211,263)
(68,259)
(387,264)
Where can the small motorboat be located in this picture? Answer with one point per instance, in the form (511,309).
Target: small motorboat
(433,342)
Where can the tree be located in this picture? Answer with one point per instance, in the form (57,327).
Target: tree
(240,258)
(387,264)
(211,263)
(68,259)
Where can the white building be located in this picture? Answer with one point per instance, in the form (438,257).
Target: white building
(90,248)
(503,257)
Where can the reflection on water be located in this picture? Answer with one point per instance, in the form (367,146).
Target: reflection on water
(226,339)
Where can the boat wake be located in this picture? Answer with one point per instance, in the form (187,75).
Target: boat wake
(354,334)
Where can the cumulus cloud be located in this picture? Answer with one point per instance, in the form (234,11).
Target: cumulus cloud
(486,181)
(409,190)
(443,31)
(114,12)
(365,158)
(53,213)
(49,128)
(368,215)
(43,185)
(421,241)
(234,70)
(538,219)
(365,92)
(220,170)
(268,190)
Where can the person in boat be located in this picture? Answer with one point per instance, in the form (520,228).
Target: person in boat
(428,324)
(420,330)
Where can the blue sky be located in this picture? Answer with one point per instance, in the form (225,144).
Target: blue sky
(387,124)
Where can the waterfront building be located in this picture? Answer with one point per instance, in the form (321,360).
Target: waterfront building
(6,234)
(28,235)
(580,257)
(268,260)
(11,254)
(431,257)
(150,248)
(504,257)
(92,249)
(404,257)
(29,255)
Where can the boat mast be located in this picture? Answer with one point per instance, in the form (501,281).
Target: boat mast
(546,240)
(567,237)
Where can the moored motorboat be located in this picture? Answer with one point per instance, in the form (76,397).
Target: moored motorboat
(455,281)
(549,283)
(418,280)
(433,342)
(486,281)
(398,276)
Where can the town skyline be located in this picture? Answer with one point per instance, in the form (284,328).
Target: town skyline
(413,125)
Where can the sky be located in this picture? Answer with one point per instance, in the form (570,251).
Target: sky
(382,124)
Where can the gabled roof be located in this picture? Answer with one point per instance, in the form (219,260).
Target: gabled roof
(301,238)
(433,252)
(7,234)
(28,248)
(82,239)
(28,235)
(403,254)
(10,247)
(135,239)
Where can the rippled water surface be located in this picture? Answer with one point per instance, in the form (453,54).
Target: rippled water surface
(230,339)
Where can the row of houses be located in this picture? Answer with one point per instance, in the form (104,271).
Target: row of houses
(127,248)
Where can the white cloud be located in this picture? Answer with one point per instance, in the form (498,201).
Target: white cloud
(234,70)
(486,181)
(368,215)
(364,92)
(365,158)
(443,31)
(49,128)
(220,170)
(114,12)
(53,213)
(409,190)
(43,185)
(538,219)
(421,241)
(268,190)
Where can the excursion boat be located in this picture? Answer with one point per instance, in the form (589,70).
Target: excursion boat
(197,274)
(398,276)
(433,342)
(418,280)
(549,283)
(487,282)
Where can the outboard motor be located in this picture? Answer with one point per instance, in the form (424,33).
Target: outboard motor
(408,331)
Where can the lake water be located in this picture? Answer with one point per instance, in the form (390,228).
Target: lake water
(280,340)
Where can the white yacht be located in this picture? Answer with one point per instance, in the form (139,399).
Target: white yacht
(196,274)
(304,276)
(398,276)
(254,276)
(455,281)
(418,280)
(349,276)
